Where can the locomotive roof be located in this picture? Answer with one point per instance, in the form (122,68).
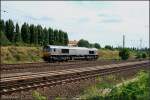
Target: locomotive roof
(67,47)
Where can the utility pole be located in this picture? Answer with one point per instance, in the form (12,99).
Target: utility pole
(140,44)
(123,41)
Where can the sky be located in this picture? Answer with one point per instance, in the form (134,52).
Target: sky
(103,22)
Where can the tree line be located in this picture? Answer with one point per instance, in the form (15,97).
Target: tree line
(85,43)
(35,35)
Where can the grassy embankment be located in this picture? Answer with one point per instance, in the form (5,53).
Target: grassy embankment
(108,54)
(13,54)
(24,54)
(105,54)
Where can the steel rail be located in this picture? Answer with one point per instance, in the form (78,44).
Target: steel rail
(35,67)
(70,70)
(67,77)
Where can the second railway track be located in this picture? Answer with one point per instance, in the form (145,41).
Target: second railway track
(43,66)
(27,81)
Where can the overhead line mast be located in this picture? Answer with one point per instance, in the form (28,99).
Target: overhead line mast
(123,41)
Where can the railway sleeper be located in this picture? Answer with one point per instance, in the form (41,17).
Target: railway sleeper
(117,69)
(75,79)
(60,76)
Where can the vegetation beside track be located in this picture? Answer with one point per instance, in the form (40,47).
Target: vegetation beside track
(137,89)
(108,54)
(113,88)
(13,54)
(24,54)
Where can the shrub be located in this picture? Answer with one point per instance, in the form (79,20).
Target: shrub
(108,47)
(124,54)
(96,45)
(144,55)
(37,96)
(132,90)
(138,55)
(3,39)
(83,43)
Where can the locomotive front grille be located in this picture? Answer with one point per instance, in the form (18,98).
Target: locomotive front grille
(46,54)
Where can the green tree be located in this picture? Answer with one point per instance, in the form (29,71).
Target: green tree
(56,37)
(3,39)
(109,47)
(46,36)
(17,34)
(51,36)
(83,43)
(9,29)
(144,55)
(66,40)
(40,35)
(25,33)
(60,37)
(124,54)
(2,25)
(35,35)
(32,34)
(96,45)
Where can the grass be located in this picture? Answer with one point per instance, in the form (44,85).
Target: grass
(108,55)
(13,54)
(37,96)
(135,89)
(105,54)
(23,54)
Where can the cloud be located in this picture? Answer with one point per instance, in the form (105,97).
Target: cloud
(44,18)
(105,18)
(97,21)
(111,20)
(83,20)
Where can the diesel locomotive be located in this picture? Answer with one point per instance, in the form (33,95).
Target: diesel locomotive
(64,53)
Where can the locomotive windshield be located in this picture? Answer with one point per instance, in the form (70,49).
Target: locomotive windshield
(46,48)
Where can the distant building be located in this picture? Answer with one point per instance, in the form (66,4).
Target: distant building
(73,43)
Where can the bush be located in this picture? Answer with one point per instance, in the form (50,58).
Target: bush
(108,47)
(3,39)
(144,55)
(83,43)
(132,90)
(124,54)
(138,55)
(96,45)
(37,96)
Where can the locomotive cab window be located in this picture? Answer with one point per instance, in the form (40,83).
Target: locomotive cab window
(46,49)
(65,50)
(91,52)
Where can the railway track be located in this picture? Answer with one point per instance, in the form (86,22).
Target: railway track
(43,66)
(27,81)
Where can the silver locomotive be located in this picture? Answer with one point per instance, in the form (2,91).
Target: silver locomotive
(65,53)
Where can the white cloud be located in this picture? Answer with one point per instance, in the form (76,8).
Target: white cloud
(97,21)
